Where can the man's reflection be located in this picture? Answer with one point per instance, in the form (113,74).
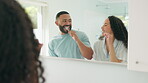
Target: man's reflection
(69,43)
(112,45)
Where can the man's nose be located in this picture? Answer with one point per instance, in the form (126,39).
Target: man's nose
(68,23)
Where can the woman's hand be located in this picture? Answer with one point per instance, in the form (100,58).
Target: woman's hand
(109,39)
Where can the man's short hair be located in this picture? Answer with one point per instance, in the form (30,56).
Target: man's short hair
(61,13)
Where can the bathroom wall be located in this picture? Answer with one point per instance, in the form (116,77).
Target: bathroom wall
(59,70)
(138,32)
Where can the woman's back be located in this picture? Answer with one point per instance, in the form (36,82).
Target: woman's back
(18,57)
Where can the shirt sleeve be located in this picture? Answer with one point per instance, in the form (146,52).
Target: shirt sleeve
(122,54)
(85,39)
(51,49)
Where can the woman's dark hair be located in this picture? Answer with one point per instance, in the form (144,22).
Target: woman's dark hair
(119,30)
(19,62)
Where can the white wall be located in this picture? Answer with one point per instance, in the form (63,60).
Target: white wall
(138,40)
(58,70)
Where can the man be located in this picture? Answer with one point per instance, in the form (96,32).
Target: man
(70,43)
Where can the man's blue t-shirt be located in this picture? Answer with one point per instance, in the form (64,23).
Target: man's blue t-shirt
(65,46)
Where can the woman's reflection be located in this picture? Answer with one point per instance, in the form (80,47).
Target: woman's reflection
(112,45)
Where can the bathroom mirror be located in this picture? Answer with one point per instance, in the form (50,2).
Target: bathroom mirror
(87,15)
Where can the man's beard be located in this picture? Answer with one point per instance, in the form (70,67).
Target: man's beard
(63,27)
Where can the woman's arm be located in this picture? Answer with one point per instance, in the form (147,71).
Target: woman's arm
(110,48)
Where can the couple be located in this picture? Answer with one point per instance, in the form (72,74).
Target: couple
(112,45)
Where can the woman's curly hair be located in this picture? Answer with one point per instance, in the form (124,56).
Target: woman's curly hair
(19,58)
(119,30)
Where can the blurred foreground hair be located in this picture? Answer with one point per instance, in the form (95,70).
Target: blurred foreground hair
(19,60)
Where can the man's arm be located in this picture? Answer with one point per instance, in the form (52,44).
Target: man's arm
(86,51)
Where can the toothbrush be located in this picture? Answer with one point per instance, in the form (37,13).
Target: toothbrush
(67,28)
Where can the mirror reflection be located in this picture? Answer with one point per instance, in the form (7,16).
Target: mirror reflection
(84,22)
(69,43)
(78,32)
(112,44)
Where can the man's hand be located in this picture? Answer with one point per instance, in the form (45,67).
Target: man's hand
(73,35)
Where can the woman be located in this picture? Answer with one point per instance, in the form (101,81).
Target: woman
(19,61)
(112,45)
